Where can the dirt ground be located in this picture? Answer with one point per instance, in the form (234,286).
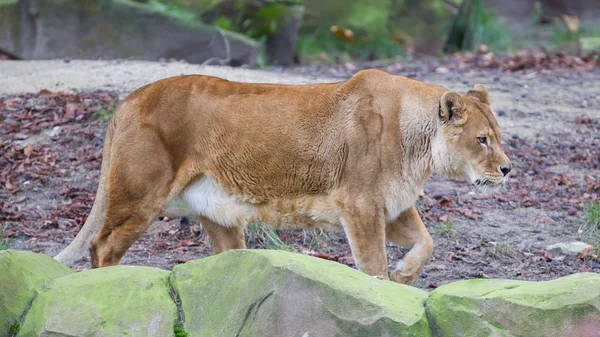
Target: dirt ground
(551,126)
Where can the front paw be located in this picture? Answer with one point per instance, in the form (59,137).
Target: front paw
(400,277)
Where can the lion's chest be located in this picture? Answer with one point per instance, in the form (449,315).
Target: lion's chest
(207,198)
(399,196)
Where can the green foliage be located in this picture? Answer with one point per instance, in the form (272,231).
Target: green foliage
(178,330)
(225,23)
(502,251)
(172,9)
(485,28)
(4,243)
(14,329)
(369,22)
(267,236)
(104,114)
(194,6)
(254,19)
(445,229)
(591,222)
(475,25)
(563,38)
(536,15)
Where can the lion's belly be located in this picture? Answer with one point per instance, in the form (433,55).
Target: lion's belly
(207,198)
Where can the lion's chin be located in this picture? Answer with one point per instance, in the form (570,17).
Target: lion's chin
(486,185)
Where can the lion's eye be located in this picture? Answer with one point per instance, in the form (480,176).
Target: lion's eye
(482,140)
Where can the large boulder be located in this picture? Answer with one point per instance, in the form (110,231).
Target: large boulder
(112,301)
(569,306)
(108,29)
(22,276)
(276,293)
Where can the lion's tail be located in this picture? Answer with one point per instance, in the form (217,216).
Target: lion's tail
(77,249)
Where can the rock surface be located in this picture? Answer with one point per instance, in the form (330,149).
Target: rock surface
(112,301)
(111,29)
(276,293)
(568,248)
(569,306)
(22,276)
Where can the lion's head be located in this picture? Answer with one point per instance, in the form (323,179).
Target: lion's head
(468,143)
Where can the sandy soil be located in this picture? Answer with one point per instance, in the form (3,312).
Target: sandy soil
(551,131)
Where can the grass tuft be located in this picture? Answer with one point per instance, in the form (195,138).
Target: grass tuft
(502,251)
(178,330)
(591,224)
(4,243)
(14,329)
(104,114)
(446,230)
(267,237)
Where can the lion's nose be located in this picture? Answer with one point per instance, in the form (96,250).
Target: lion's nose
(506,169)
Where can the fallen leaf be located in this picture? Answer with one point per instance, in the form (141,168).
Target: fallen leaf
(28,150)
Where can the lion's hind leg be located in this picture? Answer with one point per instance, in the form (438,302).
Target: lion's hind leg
(141,183)
(223,238)
(409,231)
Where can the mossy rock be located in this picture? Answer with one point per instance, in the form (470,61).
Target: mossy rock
(112,301)
(22,276)
(70,28)
(568,306)
(277,293)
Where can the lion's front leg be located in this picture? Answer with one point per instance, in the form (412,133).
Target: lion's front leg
(364,225)
(409,231)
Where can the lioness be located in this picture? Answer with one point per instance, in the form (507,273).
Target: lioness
(351,155)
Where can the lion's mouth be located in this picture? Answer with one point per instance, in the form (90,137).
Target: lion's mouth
(487,185)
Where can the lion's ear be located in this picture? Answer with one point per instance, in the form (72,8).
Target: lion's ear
(451,107)
(481,93)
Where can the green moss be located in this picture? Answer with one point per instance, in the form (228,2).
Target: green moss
(112,301)
(254,289)
(22,276)
(517,308)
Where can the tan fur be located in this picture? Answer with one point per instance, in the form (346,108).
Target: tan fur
(351,155)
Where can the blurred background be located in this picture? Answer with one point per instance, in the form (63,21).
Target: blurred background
(262,33)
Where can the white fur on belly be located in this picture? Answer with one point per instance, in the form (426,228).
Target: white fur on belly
(207,198)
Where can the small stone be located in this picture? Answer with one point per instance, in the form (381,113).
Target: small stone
(584,104)
(555,262)
(568,248)
(67,60)
(488,270)
(438,196)
(501,113)
(572,211)
(54,132)
(524,95)
(541,237)
(440,267)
